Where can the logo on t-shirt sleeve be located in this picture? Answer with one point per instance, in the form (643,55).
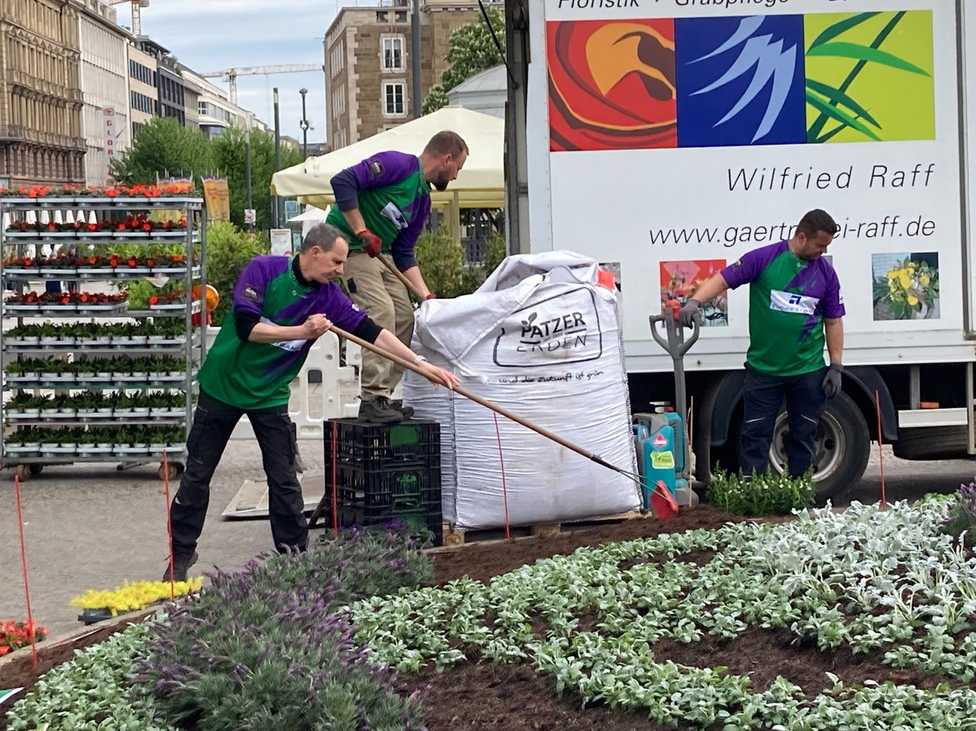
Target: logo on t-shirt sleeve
(251,294)
(375,168)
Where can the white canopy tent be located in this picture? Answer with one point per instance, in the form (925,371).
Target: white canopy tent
(309,217)
(481,183)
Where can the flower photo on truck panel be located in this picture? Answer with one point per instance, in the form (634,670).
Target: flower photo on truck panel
(681,279)
(906,286)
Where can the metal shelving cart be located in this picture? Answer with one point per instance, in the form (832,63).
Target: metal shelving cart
(84,356)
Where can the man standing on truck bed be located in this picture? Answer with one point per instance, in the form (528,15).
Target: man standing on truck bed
(382,205)
(794,299)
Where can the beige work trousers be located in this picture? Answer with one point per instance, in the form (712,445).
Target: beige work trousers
(376,290)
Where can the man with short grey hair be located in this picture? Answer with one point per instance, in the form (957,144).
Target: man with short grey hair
(281,306)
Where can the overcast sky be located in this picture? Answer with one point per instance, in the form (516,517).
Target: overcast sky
(210,35)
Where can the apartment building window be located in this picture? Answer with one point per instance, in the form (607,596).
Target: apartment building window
(393,53)
(337,58)
(393,92)
(142,103)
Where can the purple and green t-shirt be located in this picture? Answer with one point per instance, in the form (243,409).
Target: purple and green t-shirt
(393,196)
(252,375)
(789,298)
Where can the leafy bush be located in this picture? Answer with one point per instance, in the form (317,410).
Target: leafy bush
(228,251)
(91,691)
(962,517)
(267,647)
(762,494)
(441,259)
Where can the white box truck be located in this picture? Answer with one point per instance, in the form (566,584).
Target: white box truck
(673,136)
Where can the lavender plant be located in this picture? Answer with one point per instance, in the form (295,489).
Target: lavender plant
(265,647)
(962,519)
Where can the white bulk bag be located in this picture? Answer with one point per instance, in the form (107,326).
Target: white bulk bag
(541,338)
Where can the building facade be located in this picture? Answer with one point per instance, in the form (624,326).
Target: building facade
(368,76)
(143,91)
(215,113)
(104,89)
(41,138)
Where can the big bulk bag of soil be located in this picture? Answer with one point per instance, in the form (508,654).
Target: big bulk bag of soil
(540,337)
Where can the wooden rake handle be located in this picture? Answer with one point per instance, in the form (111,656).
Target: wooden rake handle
(400,275)
(484,402)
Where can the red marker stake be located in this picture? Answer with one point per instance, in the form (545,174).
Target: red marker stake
(23,569)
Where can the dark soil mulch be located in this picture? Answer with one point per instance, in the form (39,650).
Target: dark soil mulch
(484,696)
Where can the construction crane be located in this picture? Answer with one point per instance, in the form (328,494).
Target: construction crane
(137,6)
(230,75)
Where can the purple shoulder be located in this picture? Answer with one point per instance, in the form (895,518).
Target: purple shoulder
(270,265)
(395,164)
(752,264)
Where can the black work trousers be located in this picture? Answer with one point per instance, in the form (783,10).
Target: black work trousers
(763,395)
(213,423)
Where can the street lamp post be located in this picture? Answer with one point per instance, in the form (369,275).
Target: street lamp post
(304,125)
(277,200)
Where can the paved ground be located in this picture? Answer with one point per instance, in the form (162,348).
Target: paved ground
(93,527)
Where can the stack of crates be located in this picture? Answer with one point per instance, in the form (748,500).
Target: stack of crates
(385,473)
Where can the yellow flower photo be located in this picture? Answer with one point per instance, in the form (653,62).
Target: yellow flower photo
(906,286)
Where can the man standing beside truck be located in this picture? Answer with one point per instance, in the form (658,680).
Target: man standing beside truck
(795,306)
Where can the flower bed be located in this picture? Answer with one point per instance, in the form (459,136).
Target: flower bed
(860,619)
(605,624)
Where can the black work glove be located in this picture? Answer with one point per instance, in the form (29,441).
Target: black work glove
(690,313)
(832,381)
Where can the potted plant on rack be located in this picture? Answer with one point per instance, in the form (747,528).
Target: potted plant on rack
(30,442)
(24,370)
(22,265)
(87,444)
(51,335)
(25,302)
(86,370)
(140,406)
(103,441)
(175,438)
(24,405)
(99,405)
(23,336)
(50,442)
(58,370)
(62,408)
(57,302)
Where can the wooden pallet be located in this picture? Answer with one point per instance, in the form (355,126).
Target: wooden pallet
(457,537)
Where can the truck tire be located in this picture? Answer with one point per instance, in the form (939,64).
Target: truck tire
(843,447)
(934,442)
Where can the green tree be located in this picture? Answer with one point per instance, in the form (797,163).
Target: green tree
(471,50)
(163,147)
(228,251)
(229,158)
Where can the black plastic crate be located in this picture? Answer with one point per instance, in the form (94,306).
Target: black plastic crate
(388,489)
(384,445)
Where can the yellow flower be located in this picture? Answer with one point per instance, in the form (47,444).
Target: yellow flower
(912,300)
(924,280)
(904,279)
(137,595)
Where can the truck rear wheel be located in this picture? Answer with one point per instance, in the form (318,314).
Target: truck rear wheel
(843,447)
